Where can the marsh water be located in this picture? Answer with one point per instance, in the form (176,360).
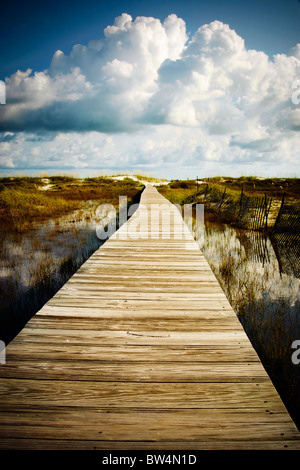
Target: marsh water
(34,265)
(260,279)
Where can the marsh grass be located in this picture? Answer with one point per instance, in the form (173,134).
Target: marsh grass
(237,201)
(210,194)
(35,264)
(19,208)
(179,192)
(273,187)
(272,325)
(23,200)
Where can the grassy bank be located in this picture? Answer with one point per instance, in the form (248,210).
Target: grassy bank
(189,191)
(272,187)
(25,200)
(227,199)
(180,192)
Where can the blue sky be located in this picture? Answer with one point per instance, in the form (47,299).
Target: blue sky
(32,32)
(174,102)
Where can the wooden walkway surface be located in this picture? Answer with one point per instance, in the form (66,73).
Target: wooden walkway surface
(140,350)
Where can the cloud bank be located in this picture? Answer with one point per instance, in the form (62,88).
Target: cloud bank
(145,95)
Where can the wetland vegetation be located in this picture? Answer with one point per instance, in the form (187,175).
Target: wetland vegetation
(27,200)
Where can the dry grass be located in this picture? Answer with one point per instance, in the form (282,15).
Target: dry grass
(24,200)
(226,191)
(179,192)
(252,186)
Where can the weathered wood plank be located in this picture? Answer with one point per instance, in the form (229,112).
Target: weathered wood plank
(212,314)
(129,322)
(192,445)
(119,425)
(82,369)
(158,396)
(155,324)
(195,338)
(39,351)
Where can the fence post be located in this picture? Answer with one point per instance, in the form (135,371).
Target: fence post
(206,191)
(2,352)
(242,192)
(268,211)
(279,213)
(222,198)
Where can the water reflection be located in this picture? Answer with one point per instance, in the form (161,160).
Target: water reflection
(261,281)
(34,265)
(251,260)
(287,249)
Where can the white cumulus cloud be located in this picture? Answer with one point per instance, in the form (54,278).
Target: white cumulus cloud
(147,94)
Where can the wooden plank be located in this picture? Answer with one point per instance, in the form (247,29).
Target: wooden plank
(156,324)
(119,425)
(213,313)
(129,321)
(192,445)
(133,337)
(135,371)
(164,304)
(40,351)
(134,395)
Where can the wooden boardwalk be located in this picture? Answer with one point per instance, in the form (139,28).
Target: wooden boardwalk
(140,350)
